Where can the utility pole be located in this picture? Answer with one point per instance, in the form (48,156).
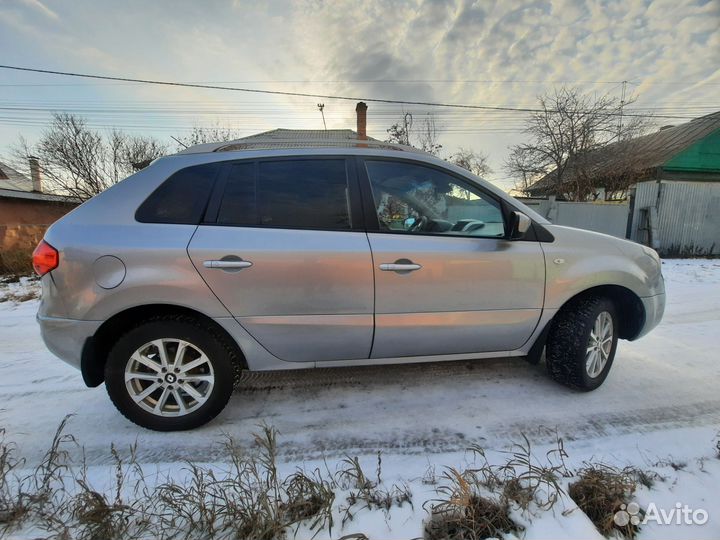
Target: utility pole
(622,104)
(321,106)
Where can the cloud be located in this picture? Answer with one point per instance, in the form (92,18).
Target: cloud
(511,50)
(42,8)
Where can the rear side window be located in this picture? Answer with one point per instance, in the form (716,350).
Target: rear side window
(308,194)
(239,201)
(182,198)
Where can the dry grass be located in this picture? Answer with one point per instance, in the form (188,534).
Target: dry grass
(248,498)
(12,509)
(476,503)
(18,289)
(600,492)
(464,513)
(16,262)
(368,494)
(19,297)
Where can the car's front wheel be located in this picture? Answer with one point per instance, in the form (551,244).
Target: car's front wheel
(171,373)
(582,343)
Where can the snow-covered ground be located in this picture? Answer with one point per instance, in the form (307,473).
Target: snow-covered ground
(659,407)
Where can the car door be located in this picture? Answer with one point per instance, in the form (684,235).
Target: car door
(447,280)
(284,249)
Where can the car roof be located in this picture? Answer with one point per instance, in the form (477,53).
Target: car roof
(276,143)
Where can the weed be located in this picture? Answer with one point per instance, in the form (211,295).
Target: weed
(600,492)
(16,262)
(430,477)
(464,513)
(527,481)
(368,494)
(644,478)
(674,464)
(249,500)
(12,509)
(96,515)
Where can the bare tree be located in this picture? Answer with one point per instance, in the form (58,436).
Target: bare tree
(428,136)
(475,162)
(399,132)
(525,171)
(80,162)
(563,134)
(200,135)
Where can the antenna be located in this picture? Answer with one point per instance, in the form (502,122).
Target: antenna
(622,104)
(179,141)
(321,106)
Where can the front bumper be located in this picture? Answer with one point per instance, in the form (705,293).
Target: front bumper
(654,309)
(66,337)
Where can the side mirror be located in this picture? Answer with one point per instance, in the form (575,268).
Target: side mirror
(519,225)
(409,222)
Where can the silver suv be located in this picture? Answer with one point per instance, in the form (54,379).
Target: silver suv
(227,257)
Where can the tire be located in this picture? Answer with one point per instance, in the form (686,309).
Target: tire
(569,358)
(190,388)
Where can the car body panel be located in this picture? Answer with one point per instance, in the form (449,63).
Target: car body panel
(578,260)
(308,295)
(470,294)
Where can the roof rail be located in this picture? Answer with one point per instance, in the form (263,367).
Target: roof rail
(276,143)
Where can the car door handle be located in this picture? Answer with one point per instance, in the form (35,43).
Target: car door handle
(399,267)
(227,264)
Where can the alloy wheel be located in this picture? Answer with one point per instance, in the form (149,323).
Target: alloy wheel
(169,377)
(599,345)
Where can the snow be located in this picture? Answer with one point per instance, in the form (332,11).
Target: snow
(659,406)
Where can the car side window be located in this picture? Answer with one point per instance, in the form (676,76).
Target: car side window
(412,198)
(182,198)
(307,193)
(239,201)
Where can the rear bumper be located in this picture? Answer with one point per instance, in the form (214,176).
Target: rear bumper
(66,337)
(654,309)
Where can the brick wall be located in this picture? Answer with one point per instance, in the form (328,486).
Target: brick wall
(23,221)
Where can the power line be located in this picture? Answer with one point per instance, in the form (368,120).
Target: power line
(294,94)
(396,81)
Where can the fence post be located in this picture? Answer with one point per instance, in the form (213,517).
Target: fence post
(631,211)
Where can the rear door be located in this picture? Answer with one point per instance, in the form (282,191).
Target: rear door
(447,281)
(284,248)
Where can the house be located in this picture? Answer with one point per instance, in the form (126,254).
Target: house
(290,138)
(671,179)
(686,152)
(25,210)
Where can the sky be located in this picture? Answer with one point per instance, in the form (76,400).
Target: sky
(502,53)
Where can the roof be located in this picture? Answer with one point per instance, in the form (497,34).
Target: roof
(35,196)
(15,185)
(296,138)
(12,179)
(638,155)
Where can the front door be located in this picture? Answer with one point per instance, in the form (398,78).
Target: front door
(288,258)
(447,281)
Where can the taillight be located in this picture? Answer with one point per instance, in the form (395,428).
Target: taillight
(45,258)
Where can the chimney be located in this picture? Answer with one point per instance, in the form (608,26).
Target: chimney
(35,174)
(361,110)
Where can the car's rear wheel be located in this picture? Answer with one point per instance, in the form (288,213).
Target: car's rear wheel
(171,374)
(582,343)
